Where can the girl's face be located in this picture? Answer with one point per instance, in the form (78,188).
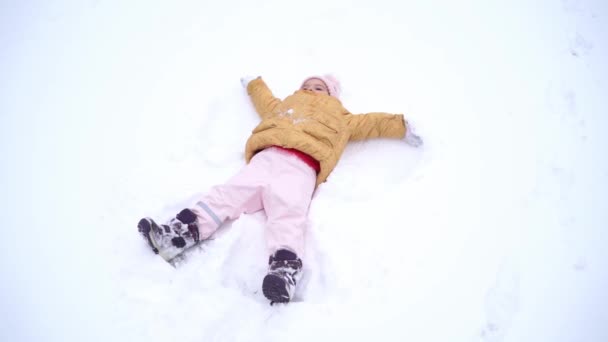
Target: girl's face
(315,85)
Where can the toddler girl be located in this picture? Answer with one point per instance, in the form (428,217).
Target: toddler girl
(294,149)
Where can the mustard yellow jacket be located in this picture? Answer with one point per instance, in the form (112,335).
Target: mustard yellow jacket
(316,124)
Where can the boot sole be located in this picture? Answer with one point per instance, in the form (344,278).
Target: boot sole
(145,227)
(274,289)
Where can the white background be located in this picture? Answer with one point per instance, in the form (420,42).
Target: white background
(494,231)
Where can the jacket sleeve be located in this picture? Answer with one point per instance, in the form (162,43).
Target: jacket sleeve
(376,125)
(262,98)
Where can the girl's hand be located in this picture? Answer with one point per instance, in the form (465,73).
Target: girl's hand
(246,79)
(410,137)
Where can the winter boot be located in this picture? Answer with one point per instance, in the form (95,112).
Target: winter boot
(171,239)
(284,271)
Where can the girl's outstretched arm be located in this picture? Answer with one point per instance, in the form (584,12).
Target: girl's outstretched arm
(376,125)
(262,98)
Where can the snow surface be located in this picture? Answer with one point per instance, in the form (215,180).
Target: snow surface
(494,231)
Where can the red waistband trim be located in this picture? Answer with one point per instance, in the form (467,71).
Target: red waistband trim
(310,161)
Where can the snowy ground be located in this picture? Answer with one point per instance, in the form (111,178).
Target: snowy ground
(494,231)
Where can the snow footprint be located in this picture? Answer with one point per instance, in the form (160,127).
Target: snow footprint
(502,303)
(580,46)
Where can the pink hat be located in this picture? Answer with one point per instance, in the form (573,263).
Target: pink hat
(333,85)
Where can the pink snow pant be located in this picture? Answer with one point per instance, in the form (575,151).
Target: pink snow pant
(274,180)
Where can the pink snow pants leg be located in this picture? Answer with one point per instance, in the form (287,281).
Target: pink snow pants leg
(275,181)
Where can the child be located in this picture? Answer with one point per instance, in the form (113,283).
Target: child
(291,152)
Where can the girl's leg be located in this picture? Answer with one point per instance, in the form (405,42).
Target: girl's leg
(286,201)
(241,194)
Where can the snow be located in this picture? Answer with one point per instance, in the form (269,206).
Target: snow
(494,231)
